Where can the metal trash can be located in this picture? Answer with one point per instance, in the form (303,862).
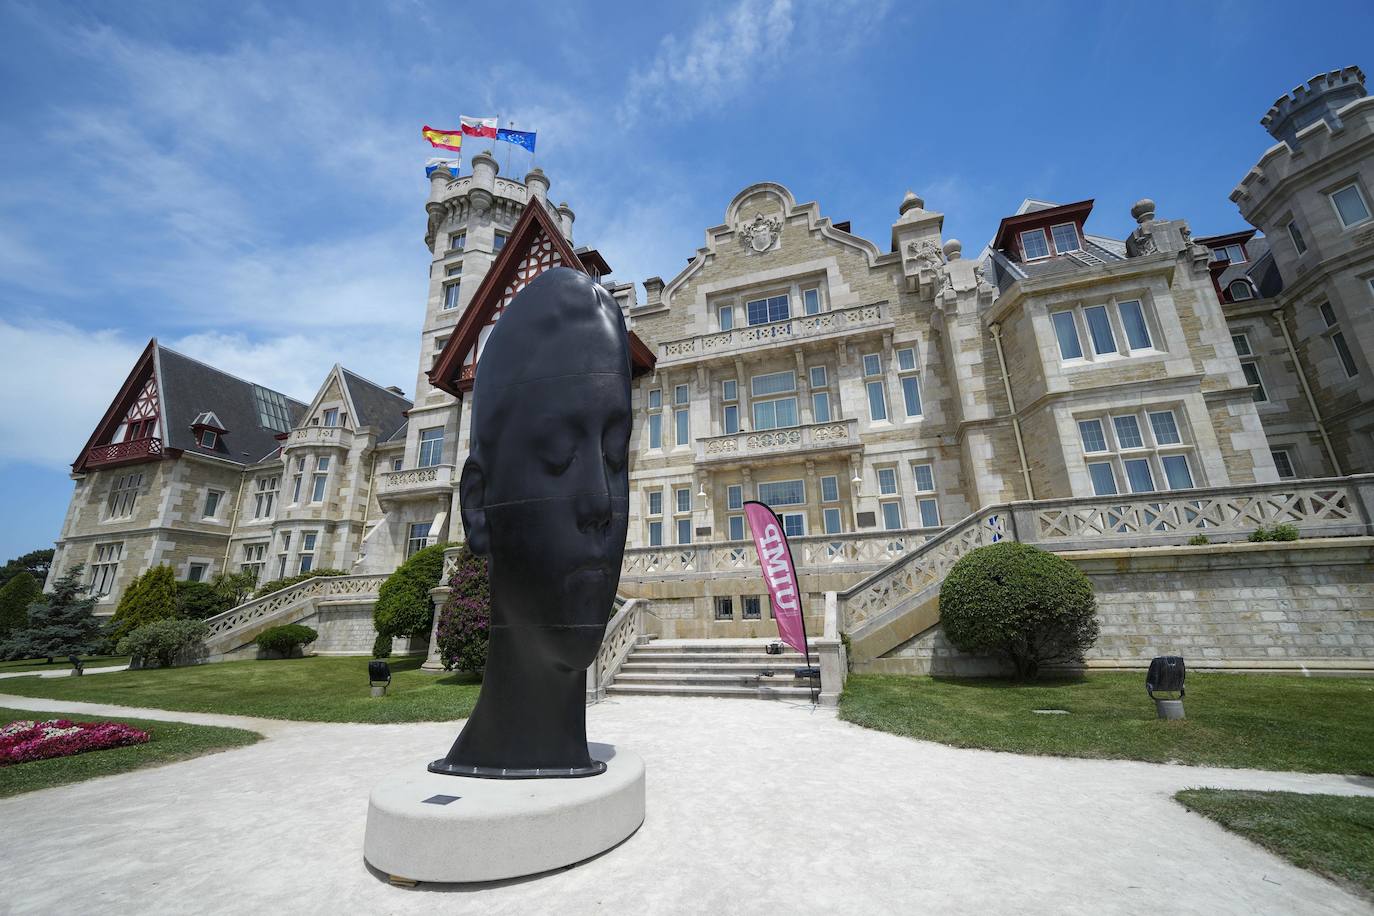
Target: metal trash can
(378,677)
(1166,676)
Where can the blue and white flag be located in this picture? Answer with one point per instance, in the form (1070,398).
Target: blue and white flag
(523,138)
(451,165)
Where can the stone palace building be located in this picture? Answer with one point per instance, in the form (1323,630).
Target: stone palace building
(872,391)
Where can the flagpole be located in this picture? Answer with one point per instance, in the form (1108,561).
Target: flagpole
(511,125)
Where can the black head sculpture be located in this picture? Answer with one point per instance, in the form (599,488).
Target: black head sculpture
(545,496)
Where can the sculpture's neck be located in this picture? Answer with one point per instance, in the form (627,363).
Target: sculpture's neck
(529,715)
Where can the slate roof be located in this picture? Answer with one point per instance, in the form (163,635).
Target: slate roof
(378,408)
(190,388)
(1096,249)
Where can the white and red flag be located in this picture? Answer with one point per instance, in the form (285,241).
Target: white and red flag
(779,573)
(478,127)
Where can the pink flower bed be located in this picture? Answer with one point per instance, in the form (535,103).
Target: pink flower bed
(23,741)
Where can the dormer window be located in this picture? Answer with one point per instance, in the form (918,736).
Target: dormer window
(208,438)
(1233,253)
(1034,245)
(1239,289)
(331,416)
(207,429)
(1065,238)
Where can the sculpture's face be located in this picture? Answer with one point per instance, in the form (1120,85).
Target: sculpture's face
(556,508)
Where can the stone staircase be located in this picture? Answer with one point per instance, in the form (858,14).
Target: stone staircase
(711,668)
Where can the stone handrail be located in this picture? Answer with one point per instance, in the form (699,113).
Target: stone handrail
(321,436)
(858,317)
(433,475)
(777,441)
(269,605)
(812,553)
(1329,507)
(622,634)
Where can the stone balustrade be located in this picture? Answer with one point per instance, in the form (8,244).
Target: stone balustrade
(787,441)
(812,554)
(415,483)
(237,626)
(622,635)
(318,436)
(877,316)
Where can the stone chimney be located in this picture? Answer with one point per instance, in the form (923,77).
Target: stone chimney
(653,290)
(1316,100)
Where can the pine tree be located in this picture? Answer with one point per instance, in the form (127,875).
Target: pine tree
(150,597)
(15,598)
(59,624)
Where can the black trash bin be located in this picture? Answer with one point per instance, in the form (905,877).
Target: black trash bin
(1166,676)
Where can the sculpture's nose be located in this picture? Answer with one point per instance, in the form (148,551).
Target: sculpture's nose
(593,503)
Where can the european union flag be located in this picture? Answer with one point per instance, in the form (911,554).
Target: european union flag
(523,138)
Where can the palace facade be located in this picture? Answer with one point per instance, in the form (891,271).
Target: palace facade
(866,389)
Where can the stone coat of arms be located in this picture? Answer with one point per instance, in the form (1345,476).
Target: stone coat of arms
(760,234)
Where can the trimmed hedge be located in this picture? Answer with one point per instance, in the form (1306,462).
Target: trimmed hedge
(404,607)
(276,585)
(287,638)
(15,598)
(165,642)
(1024,604)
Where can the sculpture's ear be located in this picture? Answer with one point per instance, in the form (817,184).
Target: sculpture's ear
(472,498)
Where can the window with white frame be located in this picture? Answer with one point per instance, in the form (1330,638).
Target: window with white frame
(320,480)
(1034,245)
(1136,451)
(457,240)
(265,495)
(908,373)
(682,506)
(1240,290)
(331,416)
(782,493)
(307,554)
(418,538)
(892,514)
(1233,253)
(254,557)
(773,400)
(1350,205)
(1115,328)
(104,566)
(431,447)
(891,508)
(734,502)
(655,402)
(296,482)
(123,495)
(451,289)
(453,270)
(811,301)
(1338,343)
(927,503)
(213,498)
(682,416)
(208,438)
(830,489)
(820,394)
(765,311)
(683,496)
(1283,461)
(498,241)
(1065,238)
(887,481)
(1249,366)
(832,519)
(793,524)
(725,317)
(873,385)
(655,511)
(1295,234)
(684,531)
(283,553)
(729,411)
(397,463)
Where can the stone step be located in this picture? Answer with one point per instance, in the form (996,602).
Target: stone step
(713,658)
(701,690)
(708,678)
(633,666)
(712,646)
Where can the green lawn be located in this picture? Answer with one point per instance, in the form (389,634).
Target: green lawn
(319,689)
(1271,722)
(170,742)
(61,664)
(1332,835)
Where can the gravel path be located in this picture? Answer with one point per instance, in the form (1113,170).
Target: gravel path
(753,807)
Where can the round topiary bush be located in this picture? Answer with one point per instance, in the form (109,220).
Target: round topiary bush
(286,639)
(1021,603)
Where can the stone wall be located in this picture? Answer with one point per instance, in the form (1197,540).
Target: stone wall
(346,629)
(1301,606)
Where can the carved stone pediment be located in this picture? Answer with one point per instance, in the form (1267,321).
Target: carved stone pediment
(760,234)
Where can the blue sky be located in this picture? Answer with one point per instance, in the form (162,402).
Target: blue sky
(244,181)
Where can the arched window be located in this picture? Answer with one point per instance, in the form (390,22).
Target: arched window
(1240,289)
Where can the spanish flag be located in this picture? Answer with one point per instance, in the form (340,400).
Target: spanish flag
(443,139)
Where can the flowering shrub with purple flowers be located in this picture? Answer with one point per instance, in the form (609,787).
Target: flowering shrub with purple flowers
(465,619)
(27,740)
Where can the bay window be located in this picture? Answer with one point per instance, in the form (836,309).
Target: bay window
(771,412)
(1137,452)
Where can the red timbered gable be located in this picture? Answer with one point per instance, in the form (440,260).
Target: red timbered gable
(535,245)
(128,433)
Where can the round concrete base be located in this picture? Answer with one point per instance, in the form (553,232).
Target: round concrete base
(1169,709)
(424,826)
